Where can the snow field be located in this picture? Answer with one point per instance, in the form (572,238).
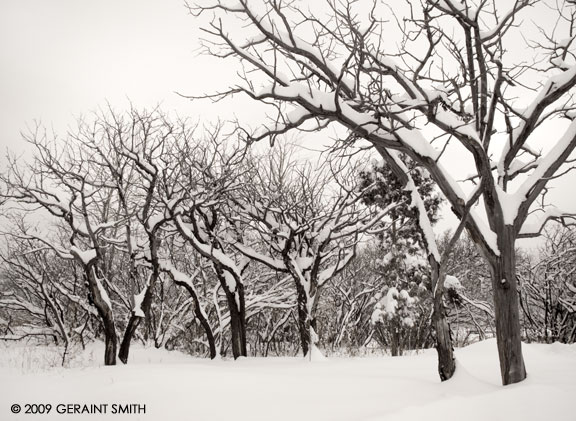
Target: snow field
(174,386)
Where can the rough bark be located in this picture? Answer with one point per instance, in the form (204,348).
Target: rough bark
(306,303)
(443,335)
(444,348)
(110,343)
(303,319)
(237,321)
(131,327)
(506,308)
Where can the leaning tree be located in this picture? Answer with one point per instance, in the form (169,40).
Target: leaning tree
(421,78)
(68,184)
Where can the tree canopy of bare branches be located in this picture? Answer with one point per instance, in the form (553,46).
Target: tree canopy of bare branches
(451,78)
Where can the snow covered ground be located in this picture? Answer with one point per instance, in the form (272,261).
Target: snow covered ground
(174,386)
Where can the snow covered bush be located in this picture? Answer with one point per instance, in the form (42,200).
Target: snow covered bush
(402,264)
(399,321)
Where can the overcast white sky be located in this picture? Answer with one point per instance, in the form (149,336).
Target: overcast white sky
(61,58)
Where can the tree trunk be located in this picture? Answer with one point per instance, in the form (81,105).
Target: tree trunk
(111,343)
(208,330)
(135,320)
(306,316)
(442,333)
(237,327)
(505,290)
(106,315)
(146,304)
(110,339)
(303,319)
(444,348)
(394,341)
(237,321)
(201,317)
(133,324)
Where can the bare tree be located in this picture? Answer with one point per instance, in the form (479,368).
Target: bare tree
(271,308)
(194,201)
(188,282)
(135,150)
(548,288)
(41,293)
(70,186)
(450,79)
(171,313)
(100,186)
(297,226)
(346,305)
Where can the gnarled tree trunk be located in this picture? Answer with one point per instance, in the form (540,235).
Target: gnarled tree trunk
(306,304)
(146,304)
(133,324)
(106,315)
(506,308)
(237,320)
(110,342)
(443,335)
(444,348)
(201,317)
(304,319)
(131,327)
